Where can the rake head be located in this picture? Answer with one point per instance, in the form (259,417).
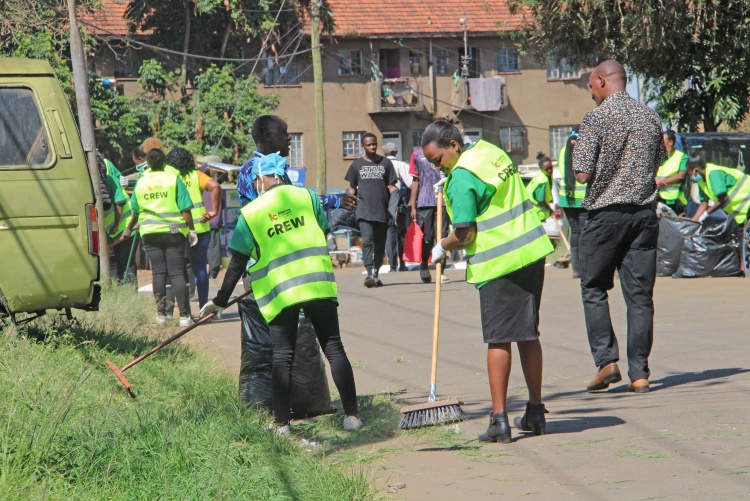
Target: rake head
(121,377)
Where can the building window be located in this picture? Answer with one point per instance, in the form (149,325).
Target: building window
(350,62)
(512,139)
(415,63)
(558,136)
(562,71)
(508,60)
(285,73)
(352,142)
(416,138)
(128,64)
(295,151)
(441,62)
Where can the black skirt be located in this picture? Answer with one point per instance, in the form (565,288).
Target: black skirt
(510,305)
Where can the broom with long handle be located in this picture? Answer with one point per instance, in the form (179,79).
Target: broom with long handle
(434,411)
(119,372)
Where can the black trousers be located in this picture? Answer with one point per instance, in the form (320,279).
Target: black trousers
(374,235)
(621,237)
(394,243)
(323,314)
(427,220)
(214,253)
(118,258)
(166,253)
(576,220)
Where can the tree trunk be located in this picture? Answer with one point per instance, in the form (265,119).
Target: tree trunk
(185,49)
(225,37)
(709,121)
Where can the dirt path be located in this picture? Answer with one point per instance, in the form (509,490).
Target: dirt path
(688,439)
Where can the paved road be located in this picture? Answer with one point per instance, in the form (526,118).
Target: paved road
(687,439)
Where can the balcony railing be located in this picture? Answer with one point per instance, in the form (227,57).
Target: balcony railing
(395,94)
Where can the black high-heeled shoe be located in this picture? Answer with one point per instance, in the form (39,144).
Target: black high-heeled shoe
(533,420)
(499,429)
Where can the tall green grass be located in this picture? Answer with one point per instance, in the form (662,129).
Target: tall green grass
(69,431)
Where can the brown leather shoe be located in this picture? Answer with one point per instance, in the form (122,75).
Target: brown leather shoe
(639,386)
(608,374)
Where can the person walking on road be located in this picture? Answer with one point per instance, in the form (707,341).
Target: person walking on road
(424,207)
(197,183)
(394,243)
(284,230)
(372,179)
(571,199)
(161,206)
(618,152)
(505,243)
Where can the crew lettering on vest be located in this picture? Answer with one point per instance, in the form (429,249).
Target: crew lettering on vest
(285,226)
(156,195)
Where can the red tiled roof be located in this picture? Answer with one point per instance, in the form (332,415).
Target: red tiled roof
(108,20)
(365,18)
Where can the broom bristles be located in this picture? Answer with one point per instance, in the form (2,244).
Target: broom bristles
(432,413)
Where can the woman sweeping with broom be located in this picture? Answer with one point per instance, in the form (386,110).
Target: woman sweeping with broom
(496,223)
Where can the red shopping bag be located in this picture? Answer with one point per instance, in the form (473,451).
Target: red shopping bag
(413,243)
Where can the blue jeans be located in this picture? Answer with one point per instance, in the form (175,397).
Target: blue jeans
(199,263)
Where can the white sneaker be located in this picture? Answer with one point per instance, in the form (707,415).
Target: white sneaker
(352,423)
(280,431)
(444,279)
(186,321)
(161,320)
(168,317)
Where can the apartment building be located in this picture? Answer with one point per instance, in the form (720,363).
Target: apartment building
(390,66)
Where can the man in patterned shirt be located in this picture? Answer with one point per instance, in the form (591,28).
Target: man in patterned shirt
(618,153)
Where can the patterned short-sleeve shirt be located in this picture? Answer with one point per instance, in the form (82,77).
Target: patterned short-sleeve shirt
(621,146)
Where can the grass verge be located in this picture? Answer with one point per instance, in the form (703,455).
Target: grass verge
(69,431)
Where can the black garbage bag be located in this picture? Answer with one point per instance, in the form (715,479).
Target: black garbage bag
(672,233)
(309,393)
(711,252)
(342,219)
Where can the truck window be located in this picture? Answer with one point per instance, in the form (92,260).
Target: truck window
(24,142)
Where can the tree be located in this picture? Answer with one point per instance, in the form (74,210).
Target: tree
(693,53)
(217,117)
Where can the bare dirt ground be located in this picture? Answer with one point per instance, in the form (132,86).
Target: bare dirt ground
(687,439)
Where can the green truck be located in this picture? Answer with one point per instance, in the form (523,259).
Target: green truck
(49,255)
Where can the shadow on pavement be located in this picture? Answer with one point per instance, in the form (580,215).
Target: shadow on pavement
(694,377)
(579,424)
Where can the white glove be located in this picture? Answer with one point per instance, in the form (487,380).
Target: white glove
(703,217)
(209,308)
(193,238)
(438,253)
(124,181)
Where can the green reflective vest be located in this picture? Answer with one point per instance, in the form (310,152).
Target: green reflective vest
(109,218)
(112,170)
(579,189)
(196,196)
(156,194)
(539,179)
(509,233)
(671,167)
(739,194)
(293,262)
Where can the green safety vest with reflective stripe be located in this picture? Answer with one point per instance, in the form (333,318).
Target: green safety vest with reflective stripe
(671,167)
(196,196)
(109,218)
(156,193)
(739,194)
(293,262)
(509,233)
(112,170)
(579,189)
(540,178)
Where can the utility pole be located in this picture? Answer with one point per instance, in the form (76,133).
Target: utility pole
(465,60)
(320,128)
(433,83)
(86,126)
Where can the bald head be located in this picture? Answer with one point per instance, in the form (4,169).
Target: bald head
(608,78)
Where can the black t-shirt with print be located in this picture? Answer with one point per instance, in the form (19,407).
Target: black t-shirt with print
(372,178)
